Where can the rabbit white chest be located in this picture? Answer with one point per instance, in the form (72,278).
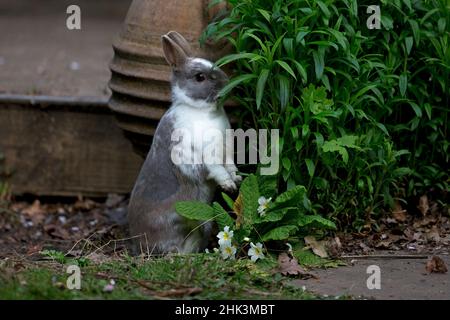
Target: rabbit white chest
(199,137)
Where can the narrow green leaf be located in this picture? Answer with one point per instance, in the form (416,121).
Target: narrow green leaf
(233,57)
(287,163)
(265,14)
(284,91)
(294,132)
(408,4)
(427,107)
(286,67)
(324,9)
(235,82)
(409,43)
(416,31)
(319,63)
(260,86)
(301,36)
(301,70)
(403,83)
(416,109)
(228,200)
(310,166)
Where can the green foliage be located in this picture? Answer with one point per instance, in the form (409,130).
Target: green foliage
(282,219)
(358,110)
(55,255)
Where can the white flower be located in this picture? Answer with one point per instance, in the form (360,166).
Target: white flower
(247,239)
(256,251)
(225,236)
(110,286)
(206,250)
(263,205)
(228,251)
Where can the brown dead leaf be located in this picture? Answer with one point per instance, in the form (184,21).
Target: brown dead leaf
(436,265)
(334,247)
(385,244)
(433,234)
(423,206)
(398,213)
(57,231)
(35,212)
(237,208)
(318,247)
(288,266)
(425,222)
(34,249)
(366,249)
(85,204)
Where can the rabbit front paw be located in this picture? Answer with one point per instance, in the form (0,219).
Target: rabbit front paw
(229,185)
(236,178)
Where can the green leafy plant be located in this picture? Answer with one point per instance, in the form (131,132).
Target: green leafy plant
(249,217)
(363,114)
(55,255)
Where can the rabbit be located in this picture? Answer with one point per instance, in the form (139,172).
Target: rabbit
(153,221)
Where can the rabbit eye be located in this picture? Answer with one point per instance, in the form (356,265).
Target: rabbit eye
(200,77)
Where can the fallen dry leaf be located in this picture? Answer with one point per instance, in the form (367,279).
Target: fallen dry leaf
(57,231)
(334,247)
(318,247)
(433,234)
(385,244)
(398,213)
(436,265)
(35,212)
(34,249)
(289,266)
(237,208)
(423,205)
(84,204)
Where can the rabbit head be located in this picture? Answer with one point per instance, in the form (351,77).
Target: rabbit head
(195,81)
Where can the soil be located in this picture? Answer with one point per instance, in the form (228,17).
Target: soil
(40,56)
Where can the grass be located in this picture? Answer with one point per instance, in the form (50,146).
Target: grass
(200,276)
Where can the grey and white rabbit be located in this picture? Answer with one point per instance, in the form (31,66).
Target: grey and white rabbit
(162,182)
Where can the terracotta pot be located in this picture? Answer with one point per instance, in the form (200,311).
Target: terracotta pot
(140,75)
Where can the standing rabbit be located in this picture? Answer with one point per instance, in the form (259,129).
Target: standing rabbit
(161,181)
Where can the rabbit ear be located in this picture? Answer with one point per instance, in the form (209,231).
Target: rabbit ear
(181,41)
(174,54)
